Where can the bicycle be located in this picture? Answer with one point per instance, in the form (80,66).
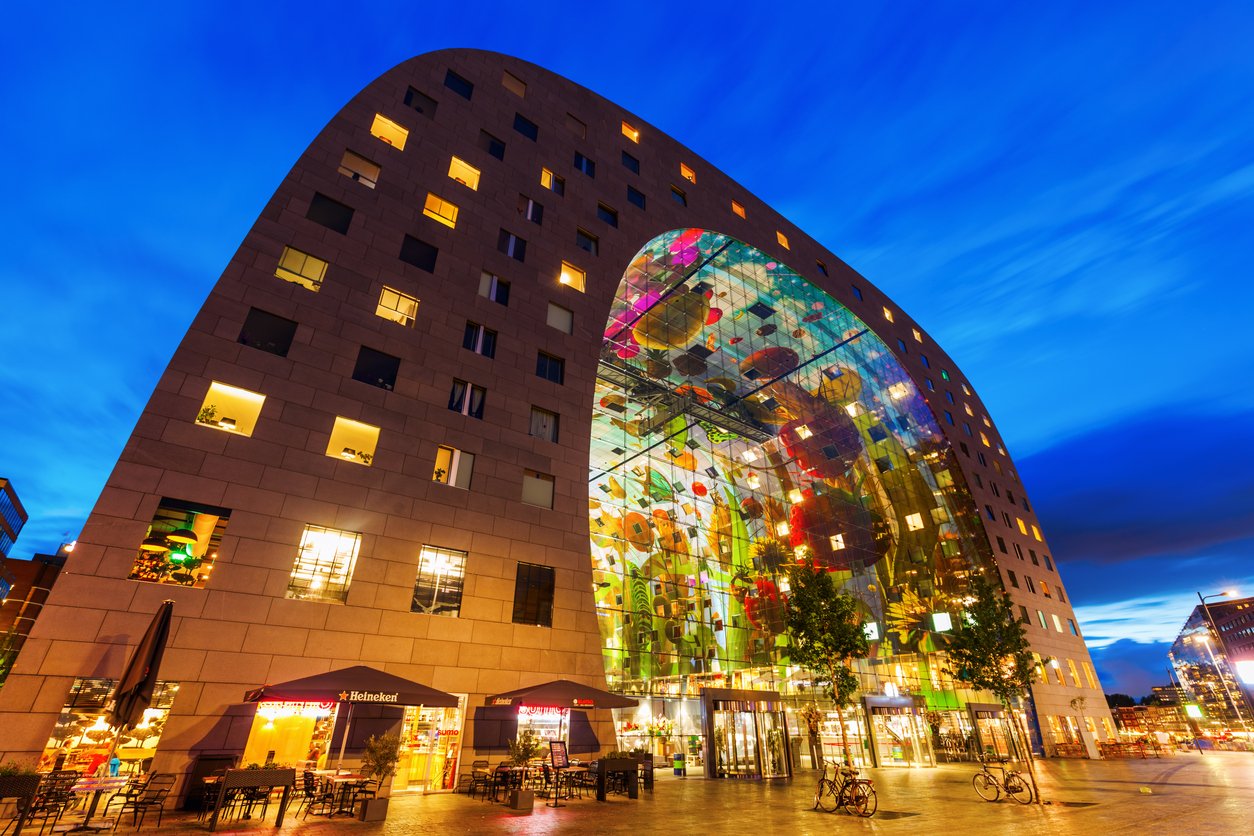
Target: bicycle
(856,795)
(990,787)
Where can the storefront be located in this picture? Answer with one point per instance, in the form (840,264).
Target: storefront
(431,745)
(746,734)
(899,732)
(82,738)
(993,732)
(837,743)
(291,733)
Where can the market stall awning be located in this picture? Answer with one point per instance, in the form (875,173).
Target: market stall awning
(561,693)
(358,684)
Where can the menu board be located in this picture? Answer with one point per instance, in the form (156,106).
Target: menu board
(557,754)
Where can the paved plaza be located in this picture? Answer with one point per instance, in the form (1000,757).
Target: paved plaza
(1187,792)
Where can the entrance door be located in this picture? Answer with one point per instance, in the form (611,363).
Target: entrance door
(773,743)
(901,739)
(736,744)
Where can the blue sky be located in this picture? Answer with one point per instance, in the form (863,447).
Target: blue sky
(1062,196)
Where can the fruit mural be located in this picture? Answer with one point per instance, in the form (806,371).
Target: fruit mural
(744,421)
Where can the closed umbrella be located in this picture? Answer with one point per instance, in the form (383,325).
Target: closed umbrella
(133,692)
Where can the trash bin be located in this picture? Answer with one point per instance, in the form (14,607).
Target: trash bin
(680,769)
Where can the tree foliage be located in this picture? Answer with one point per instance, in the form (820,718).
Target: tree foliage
(1120,701)
(825,631)
(989,648)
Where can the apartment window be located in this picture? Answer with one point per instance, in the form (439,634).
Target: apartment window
(513,246)
(576,126)
(966,428)
(630,132)
(1061,597)
(353,441)
(526,127)
(687,173)
(988,509)
(552,182)
(563,319)
(923,359)
(949,416)
(324,565)
(1001,545)
(1023,529)
(573,277)
(230,409)
(931,387)
(419,253)
(1018,550)
(949,396)
(268,332)
(585,240)
(635,197)
(514,84)
(464,173)
(1035,560)
(901,344)
(1036,534)
(356,167)
(966,452)
(1048,563)
(467,399)
(494,146)
(332,214)
(440,210)
(857,292)
(550,367)
(1041,617)
(458,85)
(480,340)
(945,376)
(530,210)
(396,306)
(420,102)
(1074,631)
(1031,586)
(738,210)
(1075,673)
(537,489)
(1057,622)
(965,389)
(585,165)
(181,544)
(1023,615)
(376,368)
(607,214)
(822,267)
(1013,580)
(438,587)
(388,131)
(533,595)
(1089,674)
(543,424)
(678,195)
(631,163)
(1045,589)
(453,467)
(494,288)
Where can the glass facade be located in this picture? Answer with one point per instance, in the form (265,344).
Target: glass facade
(1207,676)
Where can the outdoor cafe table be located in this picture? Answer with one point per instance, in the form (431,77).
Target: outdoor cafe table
(629,769)
(343,783)
(97,787)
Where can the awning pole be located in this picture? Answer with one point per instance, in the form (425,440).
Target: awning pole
(348,722)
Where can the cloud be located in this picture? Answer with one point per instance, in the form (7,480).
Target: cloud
(1129,667)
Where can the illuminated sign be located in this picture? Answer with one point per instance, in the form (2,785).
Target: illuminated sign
(274,710)
(542,711)
(369,696)
(1245,670)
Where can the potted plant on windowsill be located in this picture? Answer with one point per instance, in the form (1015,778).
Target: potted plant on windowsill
(378,763)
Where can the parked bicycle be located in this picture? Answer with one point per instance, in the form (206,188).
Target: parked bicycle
(990,785)
(856,795)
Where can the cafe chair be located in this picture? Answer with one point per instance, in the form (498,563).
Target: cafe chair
(52,799)
(133,789)
(152,798)
(317,794)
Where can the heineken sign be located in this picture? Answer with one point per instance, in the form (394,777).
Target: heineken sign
(369,696)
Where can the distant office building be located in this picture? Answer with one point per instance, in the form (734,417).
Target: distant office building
(1214,660)
(12,516)
(24,588)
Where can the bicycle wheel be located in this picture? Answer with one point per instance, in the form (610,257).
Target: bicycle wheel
(1018,789)
(986,787)
(862,801)
(828,795)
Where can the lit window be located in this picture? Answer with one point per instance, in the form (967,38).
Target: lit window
(585,240)
(576,126)
(440,210)
(1057,622)
(607,214)
(533,595)
(419,253)
(438,587)
(537,489)
(871,630)
(984,440)
(573,277)
(1045,589)
(514,84)
(181,544)
(356,167)
(459,85)
(494,146)
(552,182)
(837,541)
(268,332)
(1040,616)
(376,368)
(563,319)
(324,565)
(888,314)
(526,127)
(967,408)
(914,522)
(631,163)
(630,132)
(420,102)
(687,173)
(301,268)
(390,132)
(480,340)
(543,424)
(494,288)
(942,622)
(782,239)
(1023,529)
(550,367)
(945,376)
(397,306)
(965,389)
(513,246)
(1036,533)
(464,173)
(353,441)
(453,467)
(230,408)
(635,197)
(530,210)
(467,399)
(585,165)
(1088,666)
(918,335)
(737,209)
(679,196)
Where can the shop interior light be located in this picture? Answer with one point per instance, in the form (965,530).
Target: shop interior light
(182,535)
(154,544)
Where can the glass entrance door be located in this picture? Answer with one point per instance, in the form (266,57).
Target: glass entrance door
(735,744)
(901,738)
(773,743)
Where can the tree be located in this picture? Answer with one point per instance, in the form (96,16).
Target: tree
(826,635)
(989,649)
(1119,701)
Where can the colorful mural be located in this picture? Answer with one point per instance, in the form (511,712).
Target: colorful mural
(745,420)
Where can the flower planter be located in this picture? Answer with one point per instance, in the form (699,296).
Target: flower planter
(374,809)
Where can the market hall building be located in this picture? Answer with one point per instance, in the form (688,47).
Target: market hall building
(504,386)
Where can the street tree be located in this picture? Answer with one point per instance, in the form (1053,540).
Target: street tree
(826,635)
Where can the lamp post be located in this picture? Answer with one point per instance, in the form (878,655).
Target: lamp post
(1210,620)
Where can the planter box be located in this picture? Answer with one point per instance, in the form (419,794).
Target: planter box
(522,800)
(374,809)
(19,786)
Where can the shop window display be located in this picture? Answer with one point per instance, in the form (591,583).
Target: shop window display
(81,738)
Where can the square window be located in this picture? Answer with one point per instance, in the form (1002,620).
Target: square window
(301,268)
(607,214)
(514,84)
(388,131)
(324,565)
(230,409)
(356,167)
(737,209)
(438,587)
(537,489)
(576,126)
(585,165)
(181,544)
(822,267)
(687,173)
(533,595)
(530,210)
(526,127)
(376,368)
(396,306)
(550,367)
(494,288)
(857,292)
(492,145)
(552,182)
(585,240)
(419,253)
(353,441)
(467,399)
(631,163)
(453,467)
(572,276)
(480,340)
(543,424)
(464,173)
(440,210)
(332,214)
(635,197)
(420,102)
(458,85)
(630,132)
(513,246)
(782,239)
(678,195)
(563,319)
(268,332)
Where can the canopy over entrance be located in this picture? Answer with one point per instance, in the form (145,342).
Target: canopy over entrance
(562,693)
(358,684)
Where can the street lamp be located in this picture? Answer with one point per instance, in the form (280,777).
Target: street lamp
(1227,593)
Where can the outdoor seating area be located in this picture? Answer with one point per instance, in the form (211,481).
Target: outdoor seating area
(597,780)
(67,796)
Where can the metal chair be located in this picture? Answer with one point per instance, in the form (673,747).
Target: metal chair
(152,798)
(133,789)
(317,794)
